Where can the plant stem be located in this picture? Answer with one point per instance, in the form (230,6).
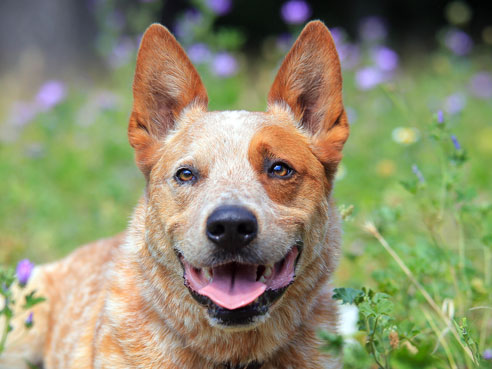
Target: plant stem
(441,339)
(371,340)
(371,228)
(5,332)
(444,191)
(486,269)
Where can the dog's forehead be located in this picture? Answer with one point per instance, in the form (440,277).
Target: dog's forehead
(221,135)
(233,145)
(228,126)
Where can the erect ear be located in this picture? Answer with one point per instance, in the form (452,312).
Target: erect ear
(310,83)
(165,83)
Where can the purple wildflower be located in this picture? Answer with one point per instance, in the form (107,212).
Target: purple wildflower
(455,103)
(440,117)
(117,20)
(372,28)
(284,41)
(295,11)
(92,5)
(481,85)
(199,53)
(35,150)
(29,320)
(368,77)
(349,55)
(459,42)
(220,7)
(339,35)
(187,22)
(51,94)
(23,271)
(122,52)
(22,113)
(456,143)
(418,173)
(224,65)
(351,114)
(138,38)
(106,100)
(96,5)
(385,58)
(487,354)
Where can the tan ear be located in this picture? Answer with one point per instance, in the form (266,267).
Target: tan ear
(165,83)
(310,83)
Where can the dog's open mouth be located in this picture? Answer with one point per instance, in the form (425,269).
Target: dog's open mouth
(236,292)
(235,285)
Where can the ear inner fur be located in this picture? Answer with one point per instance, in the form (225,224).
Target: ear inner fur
(165,83)
(310,83)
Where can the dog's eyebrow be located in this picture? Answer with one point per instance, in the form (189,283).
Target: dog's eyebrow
(270,157)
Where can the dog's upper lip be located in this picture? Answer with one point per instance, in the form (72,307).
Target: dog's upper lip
(234,285)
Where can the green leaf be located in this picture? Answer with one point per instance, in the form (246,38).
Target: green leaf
(366,309)
(382,304)
(31,365)
(466,337)
(346,295)
(487,240)
(410,186)
(7,311)
(32,300)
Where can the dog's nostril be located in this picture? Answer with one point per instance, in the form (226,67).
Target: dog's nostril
(231,227)
(245,229)
(216,230)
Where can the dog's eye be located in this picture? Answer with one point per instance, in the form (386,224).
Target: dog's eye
(280,170)
(185,175)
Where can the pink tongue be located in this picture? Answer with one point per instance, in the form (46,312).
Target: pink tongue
(233,286)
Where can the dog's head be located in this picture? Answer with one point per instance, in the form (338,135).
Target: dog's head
(237,203)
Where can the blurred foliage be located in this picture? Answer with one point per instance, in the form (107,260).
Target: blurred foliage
(10,281)
(416,166)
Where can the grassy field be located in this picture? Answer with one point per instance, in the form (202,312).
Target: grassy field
(412,184)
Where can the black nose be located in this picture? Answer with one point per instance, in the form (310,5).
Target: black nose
(232,227)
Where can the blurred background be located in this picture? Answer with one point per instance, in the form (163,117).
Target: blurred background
(418,92)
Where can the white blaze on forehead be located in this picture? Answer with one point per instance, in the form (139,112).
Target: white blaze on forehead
(220,142)
(229,127)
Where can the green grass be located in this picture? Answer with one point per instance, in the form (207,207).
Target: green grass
(68,178)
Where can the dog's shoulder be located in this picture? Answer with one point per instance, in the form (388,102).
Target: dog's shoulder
(87,258)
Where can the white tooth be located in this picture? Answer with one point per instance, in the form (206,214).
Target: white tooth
(262,279)
(207,274)
(268,271)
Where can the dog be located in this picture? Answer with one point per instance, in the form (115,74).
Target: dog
(228,257)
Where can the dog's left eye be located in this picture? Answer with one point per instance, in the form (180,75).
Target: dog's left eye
(280,170)
(185,175)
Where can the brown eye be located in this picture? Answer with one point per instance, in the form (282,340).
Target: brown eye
(185,175)
(280,170)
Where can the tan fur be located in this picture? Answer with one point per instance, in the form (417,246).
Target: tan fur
(122,303)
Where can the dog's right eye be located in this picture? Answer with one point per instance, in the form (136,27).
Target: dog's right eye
(185,175)
(280,170)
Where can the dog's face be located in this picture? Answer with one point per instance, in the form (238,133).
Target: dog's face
(237,202)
